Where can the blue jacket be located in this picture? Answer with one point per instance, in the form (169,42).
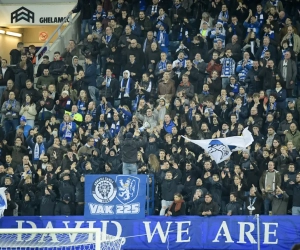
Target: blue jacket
(127,116)
(90,74)
(252,26)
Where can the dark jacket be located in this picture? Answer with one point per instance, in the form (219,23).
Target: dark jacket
(234,207)
(62,208)
(90,48)
(87,10)
(5,94)
(272,51)
(257,204)
(129,147)
(35,95)
(20,78)
(111,91)
(181,211)
(47,204)
(279,204)
(11,205)
(90,74)
(296,194)
(26,208)
(56,68)
(9,75)
(168,189)
(79,194)
(205,207)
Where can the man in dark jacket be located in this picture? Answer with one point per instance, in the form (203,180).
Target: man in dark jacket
(252,78)
(90,78)
(90,48)
(129,148)
(31,91)
(109,86)
(21,75)
(48,202)
(6,73)
(268,76)
(208,207)
(63,207)
(253,201)
(57,66)
(29,66)
(295,186)
(11,205)
(266,46)
(10,88)
(87,8)
(233,207)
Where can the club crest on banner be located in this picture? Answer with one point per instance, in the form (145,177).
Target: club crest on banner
(104,189)
(115,196)
(128,188)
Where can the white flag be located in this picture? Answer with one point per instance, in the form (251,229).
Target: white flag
(221,148)
(3,201)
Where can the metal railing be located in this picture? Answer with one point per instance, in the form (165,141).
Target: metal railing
(61,34)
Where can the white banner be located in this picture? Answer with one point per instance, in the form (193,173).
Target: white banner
(30,14)
(221,148)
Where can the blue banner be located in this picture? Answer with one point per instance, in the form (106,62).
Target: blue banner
(186,232)
(115,196)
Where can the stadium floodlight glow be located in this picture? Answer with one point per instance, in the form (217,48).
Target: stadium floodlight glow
(2,31)
(10,33)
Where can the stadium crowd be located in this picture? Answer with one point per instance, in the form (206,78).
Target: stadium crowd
(153,71)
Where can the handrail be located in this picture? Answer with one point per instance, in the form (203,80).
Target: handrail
(49,39)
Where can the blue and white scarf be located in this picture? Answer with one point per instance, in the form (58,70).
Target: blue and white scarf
(38,150)
(263,52)
(223,14)
(228,68)
(68,133)
(162,65)
(81,104)
(127,87)
(243,72)
(13,105)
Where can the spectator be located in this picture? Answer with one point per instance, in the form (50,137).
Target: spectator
(208,207)
(45,80)
(233,207)
(10,113)
(57,66)
(279,202)
(268,182)
(177,207)
(129,148)
(6,73)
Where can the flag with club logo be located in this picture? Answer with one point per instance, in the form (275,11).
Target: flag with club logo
(220,149)
(3,201)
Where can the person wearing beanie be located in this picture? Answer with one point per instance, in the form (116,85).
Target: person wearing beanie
(129,148)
